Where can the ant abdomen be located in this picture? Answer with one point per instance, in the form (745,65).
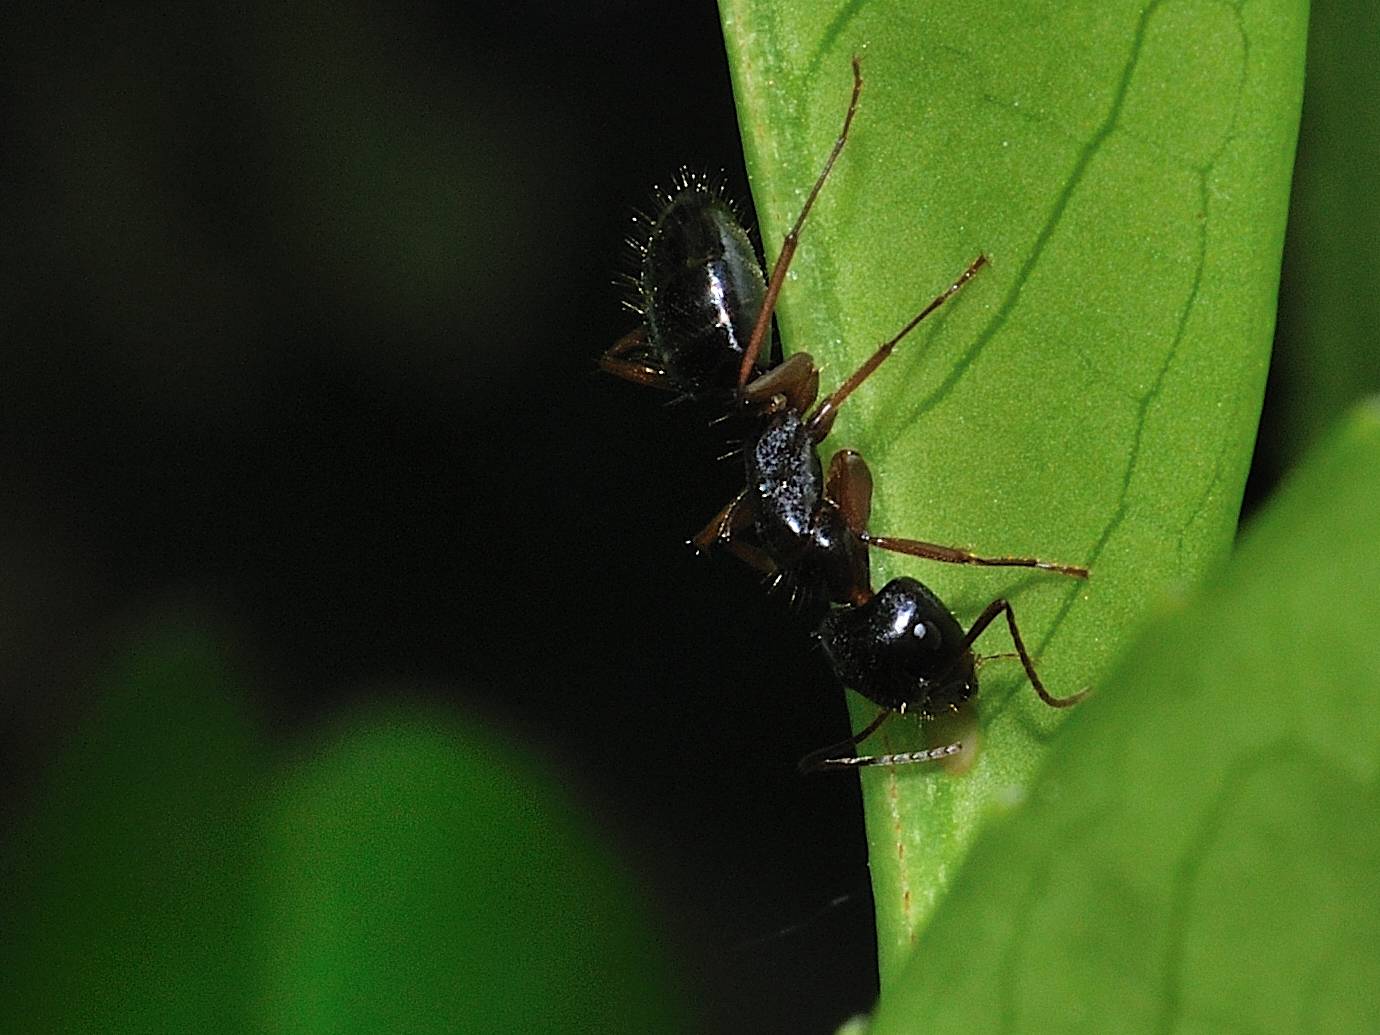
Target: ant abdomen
(701,289)
(705,304)
(903,649)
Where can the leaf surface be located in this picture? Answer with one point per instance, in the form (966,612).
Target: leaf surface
(1328,348)
(1090,398)
(1200,851)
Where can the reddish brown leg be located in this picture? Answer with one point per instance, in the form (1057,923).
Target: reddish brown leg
(723,524)
(849,485)
(985,619)
(793,383)
(752,556)
(788,246)
(718,534)
(823,418)
(639,371)
(953,555)
(848,489)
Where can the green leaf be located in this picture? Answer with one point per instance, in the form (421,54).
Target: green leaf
(423,876)
(125,885)
(1327,352)
(1092,397)
(412,874)
(1200,851)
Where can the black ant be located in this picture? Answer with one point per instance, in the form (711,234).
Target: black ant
(701,288)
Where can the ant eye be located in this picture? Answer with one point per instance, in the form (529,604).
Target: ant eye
(927,632)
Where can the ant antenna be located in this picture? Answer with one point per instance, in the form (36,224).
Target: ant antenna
(827,765)
(815,759)
(788,246)
(821,762)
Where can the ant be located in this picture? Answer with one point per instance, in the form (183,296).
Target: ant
(701,288)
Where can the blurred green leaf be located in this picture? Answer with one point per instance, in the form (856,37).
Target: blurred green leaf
(1090,398)
(423,876)
(125,885)
(1329,342)
(1200,851)
(412,874)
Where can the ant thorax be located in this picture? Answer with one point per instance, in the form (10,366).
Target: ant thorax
(795,520)
(786,481)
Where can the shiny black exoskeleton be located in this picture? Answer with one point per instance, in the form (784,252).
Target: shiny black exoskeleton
(705,304)
(902,649)
(699,290)
(797,523)
(702,288)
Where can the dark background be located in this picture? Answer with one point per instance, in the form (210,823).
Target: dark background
(302,310)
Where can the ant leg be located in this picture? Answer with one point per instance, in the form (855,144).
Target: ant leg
(985,619)
(849,485)
(733,518)
(793,382)
(639,371)
(1005,655)
(821,762)
(848,494)
(736,517)
(823,417)
(788,246)
(953,555)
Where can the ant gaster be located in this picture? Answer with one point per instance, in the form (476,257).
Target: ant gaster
(705,304)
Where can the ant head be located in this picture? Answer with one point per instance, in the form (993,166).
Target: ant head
(903,649)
